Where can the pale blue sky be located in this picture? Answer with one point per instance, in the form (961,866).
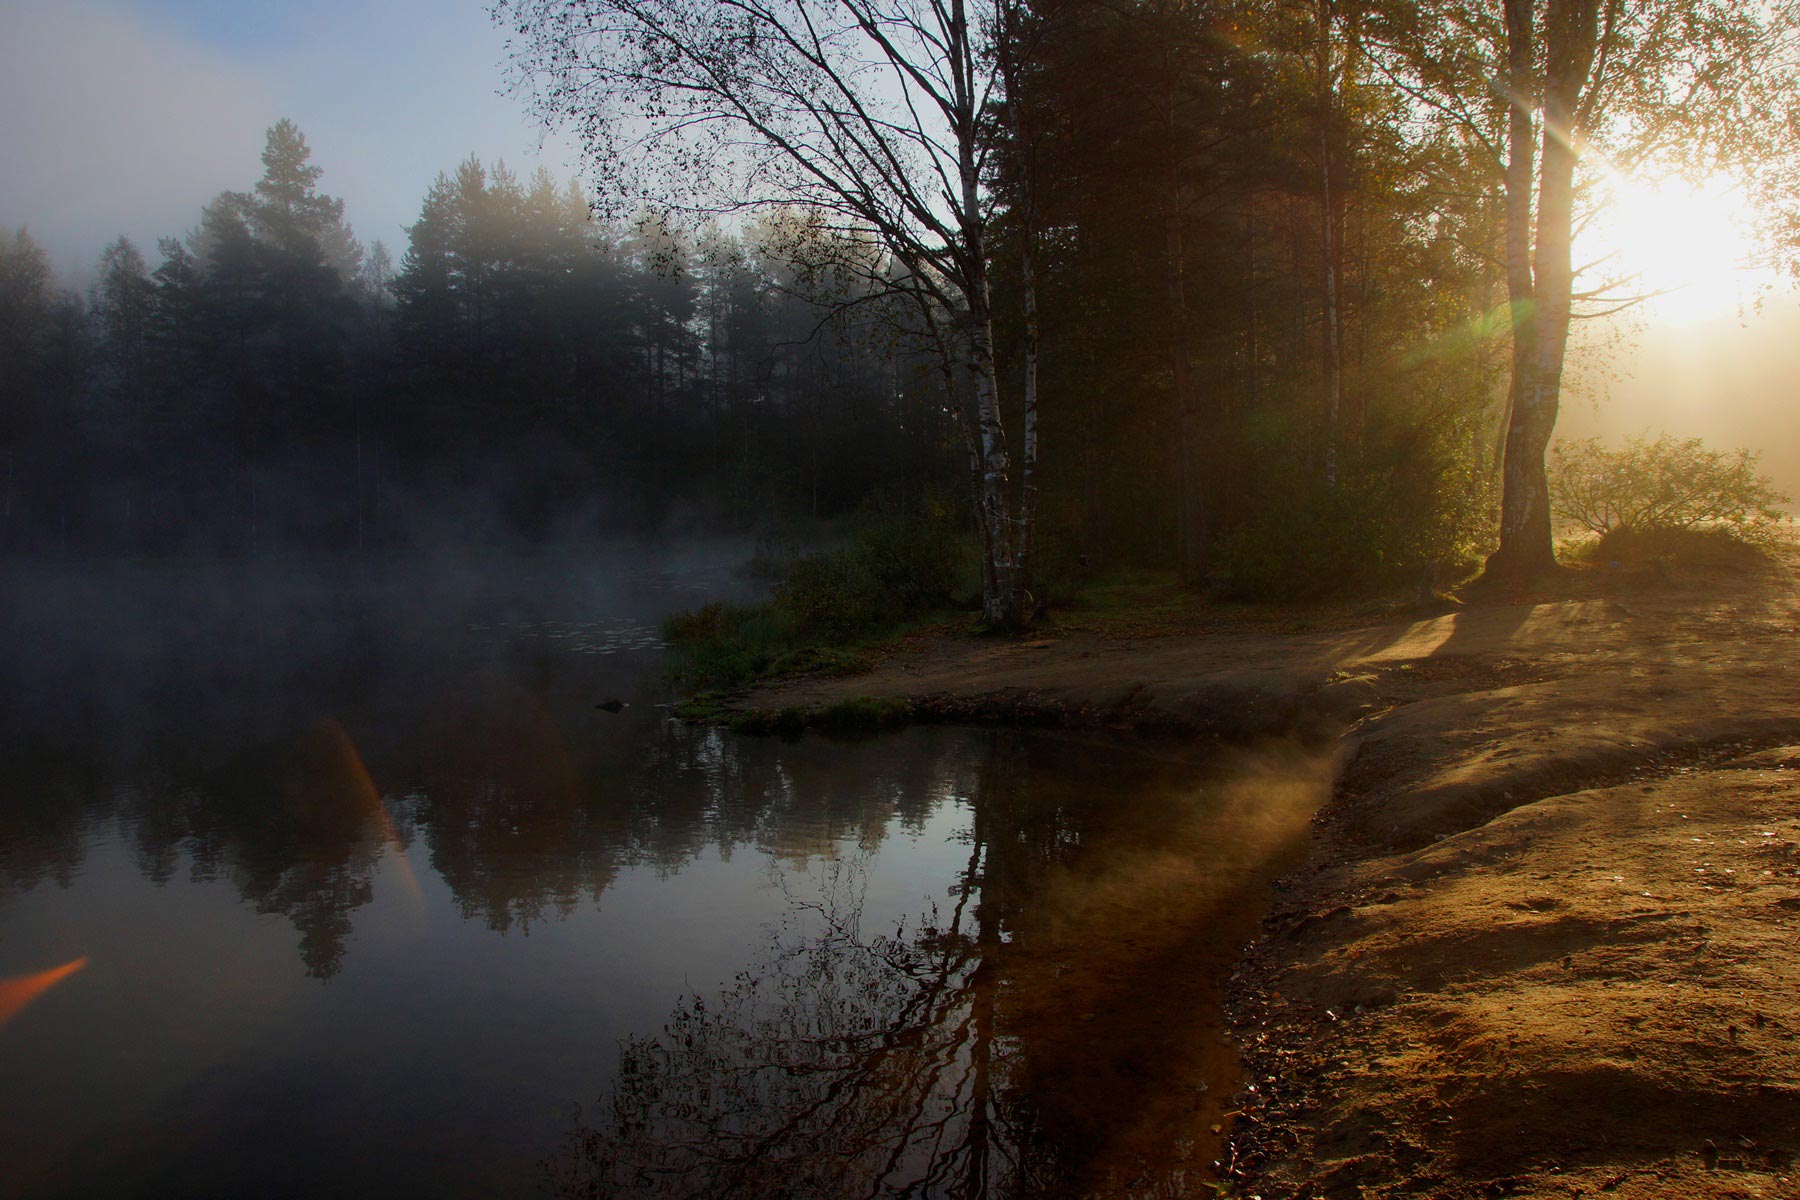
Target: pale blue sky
(124,116)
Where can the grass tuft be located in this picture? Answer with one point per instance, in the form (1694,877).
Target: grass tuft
(862,714)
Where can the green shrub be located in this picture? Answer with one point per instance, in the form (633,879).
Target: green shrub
(920,561)
(1410,496)
(835,595)
(1662,485)
(730,645)
(896,568)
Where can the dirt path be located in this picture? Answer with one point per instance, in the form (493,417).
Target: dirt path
(1549,940)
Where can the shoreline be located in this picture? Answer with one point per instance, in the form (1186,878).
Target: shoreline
(1498,973)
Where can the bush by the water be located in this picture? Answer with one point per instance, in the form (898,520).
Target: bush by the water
(1660,486)
(897,568)
(1706,550)
(1412,495)
(729,645)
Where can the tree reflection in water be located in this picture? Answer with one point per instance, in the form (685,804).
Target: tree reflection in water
(518,810)
(1051,1027)
(44,819)
(516,827)
(296,826)
(1056,1032)
(842,1064)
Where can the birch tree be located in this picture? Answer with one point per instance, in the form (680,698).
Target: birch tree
(1559,100)
(870,112)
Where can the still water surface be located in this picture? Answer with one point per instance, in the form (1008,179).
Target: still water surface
(322,881)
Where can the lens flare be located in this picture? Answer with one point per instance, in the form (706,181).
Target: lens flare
(350,763)
(16,993)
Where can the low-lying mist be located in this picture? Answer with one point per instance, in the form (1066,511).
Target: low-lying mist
(106,654)
(1726,379)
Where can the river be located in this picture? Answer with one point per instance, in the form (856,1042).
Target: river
(348,880)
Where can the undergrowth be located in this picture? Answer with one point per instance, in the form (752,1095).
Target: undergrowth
(735,645)
(832,611)
(1667,551)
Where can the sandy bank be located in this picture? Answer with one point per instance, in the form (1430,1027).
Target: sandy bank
(1549,940)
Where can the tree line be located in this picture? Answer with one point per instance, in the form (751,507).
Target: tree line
(524,373)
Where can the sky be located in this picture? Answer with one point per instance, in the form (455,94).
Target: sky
(125,116)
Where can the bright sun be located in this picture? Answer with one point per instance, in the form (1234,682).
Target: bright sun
(1691,246)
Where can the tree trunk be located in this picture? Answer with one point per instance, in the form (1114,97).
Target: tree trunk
(1190,499)
(966,422)
(1009,604)
(1028,488)
(1001,603)
(1330,337)
(1006,601)
(1017,111)
(1540,282)
(1191,507)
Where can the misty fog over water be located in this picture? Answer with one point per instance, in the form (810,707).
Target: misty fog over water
(247,649)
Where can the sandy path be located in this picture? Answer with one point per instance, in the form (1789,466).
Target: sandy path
(1549,941)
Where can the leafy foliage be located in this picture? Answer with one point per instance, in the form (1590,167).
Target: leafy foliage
(1666,484)
(829,604)
(896,567)
(1418,497)
(733,645)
